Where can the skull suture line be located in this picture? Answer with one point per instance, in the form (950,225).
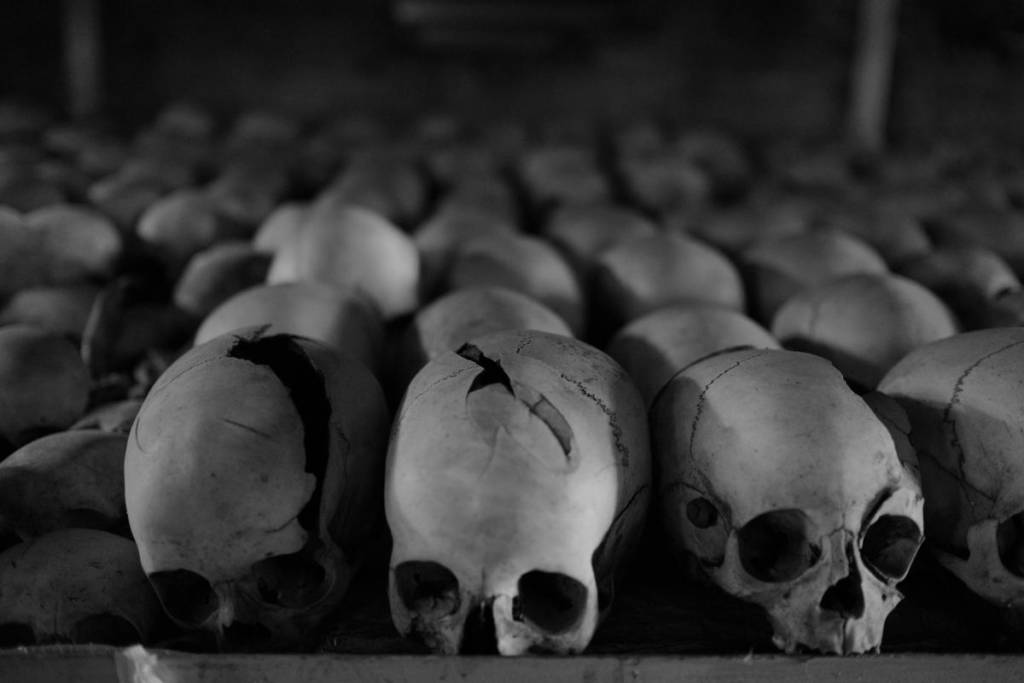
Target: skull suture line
(252,479)
(517,479)
(790,492)
(963,398)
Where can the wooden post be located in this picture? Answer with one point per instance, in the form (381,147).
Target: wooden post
(871,74)
(83,58)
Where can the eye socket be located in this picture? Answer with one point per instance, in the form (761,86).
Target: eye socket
(427,588)
(187,597)
(1010,542)
(554,602)
(775,547)
(890,545)
(290,580)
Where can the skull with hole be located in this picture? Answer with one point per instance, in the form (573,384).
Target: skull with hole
(962,395)
(252,484)
(790,492)
(517,480)
(78,586)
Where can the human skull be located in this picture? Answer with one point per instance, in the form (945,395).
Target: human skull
(864,323)
(976,283)
(962,395)
(449,322)
(780,266)
(44,385)
(663,179)
(525,264)
(790,493)
(384,183)
(281,226)
(582,231)
(336,316)
(454,223)
(76,585)
(218,272)
(62,309)
(252,483)
(642,274)
(654,347)
(517,479)
(350,246)
(554,174)
(246,191)
(68,479)
(179,225)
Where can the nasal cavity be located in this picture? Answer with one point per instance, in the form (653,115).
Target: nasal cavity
(479,636)
(846,596)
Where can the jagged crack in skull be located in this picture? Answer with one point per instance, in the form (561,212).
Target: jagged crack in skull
(508,495)
(246,482)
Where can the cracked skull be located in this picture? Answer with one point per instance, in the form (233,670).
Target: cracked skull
(790,491)
(252,483)
(517,479)
(963,398)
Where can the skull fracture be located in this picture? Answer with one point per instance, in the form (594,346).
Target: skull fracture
(517,480)
(252,483)
(963,398)
(790,492)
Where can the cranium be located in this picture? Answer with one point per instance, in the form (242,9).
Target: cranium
(217,273)
(281,226)
(962,395)
(246,191)
(79,586)
(459,316)
(333,315)
(252,483)
(790,493)
(582,231)
(977,284)
(44,385)
(721,157)
(448,228)
(517,478)
(565,173)
(62,309)
(124,198)
(645,273)
(663,179)
(349,246)
(179,225)
(384,183)
(68,479)
(780,267)
(525,264)
(863,323)
(656,346)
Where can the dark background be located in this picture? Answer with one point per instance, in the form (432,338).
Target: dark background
(775,68)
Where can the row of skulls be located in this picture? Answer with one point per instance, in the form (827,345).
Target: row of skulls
(520,468)
(519,473)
